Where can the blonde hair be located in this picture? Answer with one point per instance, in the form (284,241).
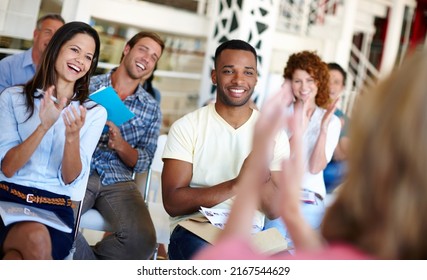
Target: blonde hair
(381,207)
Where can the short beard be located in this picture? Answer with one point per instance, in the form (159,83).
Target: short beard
(227,101)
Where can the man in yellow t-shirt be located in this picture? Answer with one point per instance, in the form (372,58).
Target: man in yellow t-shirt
(206,149)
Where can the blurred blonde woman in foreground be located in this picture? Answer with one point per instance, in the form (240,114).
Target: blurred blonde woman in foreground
(379,211)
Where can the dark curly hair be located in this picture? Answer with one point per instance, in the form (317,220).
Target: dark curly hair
(316,68)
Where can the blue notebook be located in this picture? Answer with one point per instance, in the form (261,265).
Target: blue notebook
(117,111)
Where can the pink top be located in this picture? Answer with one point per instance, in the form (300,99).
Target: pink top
(239,249)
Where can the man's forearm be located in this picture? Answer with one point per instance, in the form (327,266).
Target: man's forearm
(127,154)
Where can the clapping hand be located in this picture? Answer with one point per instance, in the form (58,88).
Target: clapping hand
(49,110)
(73,121)
(274,117)
(329,112)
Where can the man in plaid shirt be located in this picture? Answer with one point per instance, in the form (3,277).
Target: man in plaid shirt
(121,151)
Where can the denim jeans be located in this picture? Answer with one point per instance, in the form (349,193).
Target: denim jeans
(184,244)
(312,213)
(122,205)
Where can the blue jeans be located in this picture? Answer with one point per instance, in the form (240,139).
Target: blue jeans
(312,213)
(122,205)
(184,244)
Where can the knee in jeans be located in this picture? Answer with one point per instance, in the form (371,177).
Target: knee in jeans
(147,240)
(140,246)
(142,241)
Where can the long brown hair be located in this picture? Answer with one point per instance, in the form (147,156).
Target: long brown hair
(46,76)
(381,207)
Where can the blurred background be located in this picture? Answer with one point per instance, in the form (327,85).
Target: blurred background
(368,38)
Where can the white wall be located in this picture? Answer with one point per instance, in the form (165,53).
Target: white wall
(138,14)
(286,44)
(18,18)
